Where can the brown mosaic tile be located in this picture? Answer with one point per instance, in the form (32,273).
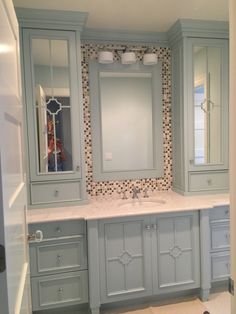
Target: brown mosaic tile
(90,51)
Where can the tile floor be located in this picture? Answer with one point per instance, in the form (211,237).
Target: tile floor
(219,303)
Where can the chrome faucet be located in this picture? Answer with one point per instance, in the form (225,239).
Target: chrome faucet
(135,192)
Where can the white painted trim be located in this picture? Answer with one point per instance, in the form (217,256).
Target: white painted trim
(58,92)
(16,193)
(232,143)
(22,288)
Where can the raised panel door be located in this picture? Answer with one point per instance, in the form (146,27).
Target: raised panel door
(125,259)
(176,252)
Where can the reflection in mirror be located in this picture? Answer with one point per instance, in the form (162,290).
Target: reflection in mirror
(126,119)
(207,105)
(52,99)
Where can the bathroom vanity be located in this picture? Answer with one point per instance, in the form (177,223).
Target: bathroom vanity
(136,250)
(112,251)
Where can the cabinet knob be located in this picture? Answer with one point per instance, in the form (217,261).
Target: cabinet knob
(227,212)
(227,235)
(58,230)
(209,181)
(77,168)
(56,193)
(58,259)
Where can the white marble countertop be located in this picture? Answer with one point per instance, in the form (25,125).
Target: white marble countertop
(108,207)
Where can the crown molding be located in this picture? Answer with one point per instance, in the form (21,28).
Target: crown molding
(122,36)
(198,29)
(55,19)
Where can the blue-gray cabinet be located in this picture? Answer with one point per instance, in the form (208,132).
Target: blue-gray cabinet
(176,252)
(200,106)
(141,256)
(125,258)
(220,243)
(58,265)
(50,45)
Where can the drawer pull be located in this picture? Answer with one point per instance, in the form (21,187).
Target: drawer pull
(58,259)
(56,193)
(60,292)
(58,230)
(228,266)
(147,227)
(209,181)
(227,235)
(227,212)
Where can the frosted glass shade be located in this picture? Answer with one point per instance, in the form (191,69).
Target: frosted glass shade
(128,57)
(105,57)
(150,59)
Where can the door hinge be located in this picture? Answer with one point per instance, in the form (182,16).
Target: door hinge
(231,286)
(2,259)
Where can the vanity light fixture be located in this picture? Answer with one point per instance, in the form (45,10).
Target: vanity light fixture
(150,58)
(105,57)
(128,57)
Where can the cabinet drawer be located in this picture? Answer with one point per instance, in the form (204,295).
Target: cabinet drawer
(59,229)
(51,256)
(220,266)
(219,213)
(220,237)
(201,181)
(59,290)
(54,192)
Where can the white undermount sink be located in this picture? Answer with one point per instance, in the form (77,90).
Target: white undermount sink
(141,203)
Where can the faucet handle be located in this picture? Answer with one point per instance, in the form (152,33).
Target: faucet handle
(136,191)
(123,192)
(145,194)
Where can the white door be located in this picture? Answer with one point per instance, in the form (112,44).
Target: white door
(14,279)
(232,156)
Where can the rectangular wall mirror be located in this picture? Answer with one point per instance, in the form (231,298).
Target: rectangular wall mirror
(126,115)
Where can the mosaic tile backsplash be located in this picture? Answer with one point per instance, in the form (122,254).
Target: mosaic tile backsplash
(90,51)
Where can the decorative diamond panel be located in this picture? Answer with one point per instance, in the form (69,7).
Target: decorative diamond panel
(53,106)
(175,251)
(125,258)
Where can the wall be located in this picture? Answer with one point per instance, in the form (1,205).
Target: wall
(89,51)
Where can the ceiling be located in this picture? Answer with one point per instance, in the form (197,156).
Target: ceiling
(136,15)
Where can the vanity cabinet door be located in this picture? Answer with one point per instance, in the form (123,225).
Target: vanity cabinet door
(125,258)
(175,252)
(53,99)
(208,112)
(52,104)
(200,107)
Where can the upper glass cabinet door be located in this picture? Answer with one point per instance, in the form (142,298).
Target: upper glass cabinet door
(52,100)
(52,104)
(209,104)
